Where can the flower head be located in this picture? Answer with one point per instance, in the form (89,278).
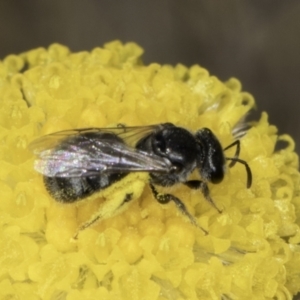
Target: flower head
(149,250)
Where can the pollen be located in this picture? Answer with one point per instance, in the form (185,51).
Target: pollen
(149,250)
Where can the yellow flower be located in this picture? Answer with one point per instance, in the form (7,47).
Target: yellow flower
(149,251)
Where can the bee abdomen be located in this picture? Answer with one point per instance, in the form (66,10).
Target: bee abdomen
(72,189)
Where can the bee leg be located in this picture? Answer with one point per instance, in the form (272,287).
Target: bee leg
(108,209)
(166,198)
(198,184)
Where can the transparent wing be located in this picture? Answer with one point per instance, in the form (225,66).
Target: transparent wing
(130,135)
(92,151)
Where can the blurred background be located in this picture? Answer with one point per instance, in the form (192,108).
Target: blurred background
(257,41)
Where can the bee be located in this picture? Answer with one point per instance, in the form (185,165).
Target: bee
(77,163)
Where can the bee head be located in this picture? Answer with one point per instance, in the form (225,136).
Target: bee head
(211,159)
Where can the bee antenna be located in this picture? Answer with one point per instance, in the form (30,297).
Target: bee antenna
(248,170)
(237,151)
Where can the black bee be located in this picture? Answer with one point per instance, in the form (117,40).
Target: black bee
(77,163)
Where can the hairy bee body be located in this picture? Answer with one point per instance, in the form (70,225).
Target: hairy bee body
(77,163)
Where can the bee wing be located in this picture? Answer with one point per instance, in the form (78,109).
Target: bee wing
(92,151)
(130,135)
